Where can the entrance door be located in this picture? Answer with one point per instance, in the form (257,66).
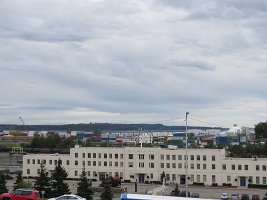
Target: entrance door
(243,182)
(102,176)
(141,178)
(182,179)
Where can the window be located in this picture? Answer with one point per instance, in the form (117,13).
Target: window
(161,165)
(83,155)
(213,178)
(89,173)
(28,171)
(264,180)
(94,163)
(76,155)
(130,164)
(99,155)
(130,156)
(141,156)
(116,156)
(83,163)
(151,176)
(110,155)
(192,177)
(89,163)
(151,165)
(168,177)
(167,157)
(213,166)
(55,162)
(204,166)
(99,163)
(76,173)
(233,167)
(44,161)
(105,163)
(110,163)
(89,155)
(250,180)
(239,167)
(192,157)
(179,157)
(198,157)
(121,156)
(180,165)
(173,177)
(28,161)
(192,165)
(213,158)
(224,166)
(161,157)
(228,178)
(50,162)
(33,161)
(263,167)
(257,167)
(173,157)
(246,167)
(105,155)
(257,180)
(116,164)
(94,155)
(38,161)
(198,178)
(204,178)
(168,165)
(173,165)
(204,157)
(198,166)
(141,164)
(76,162)
(151,156)
(121,164)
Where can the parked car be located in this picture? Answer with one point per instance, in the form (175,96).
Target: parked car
(22,194)
(68,197)
(255,197)
(183,193)
(235,196)
(194,195)
(224,196)
(244,197)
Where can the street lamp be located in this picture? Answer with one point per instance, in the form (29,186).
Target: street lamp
(186,160)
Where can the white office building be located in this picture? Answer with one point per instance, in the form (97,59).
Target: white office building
(205,166)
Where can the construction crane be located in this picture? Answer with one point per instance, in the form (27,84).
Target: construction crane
(23,124)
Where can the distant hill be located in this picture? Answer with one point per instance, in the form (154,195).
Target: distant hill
(102,127)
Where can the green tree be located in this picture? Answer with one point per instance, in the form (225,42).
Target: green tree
(84,188)
(42,181)
(53,141)
(25,184)
(59,186)
(261,130)
(18,180)
(3,188)
(107,193)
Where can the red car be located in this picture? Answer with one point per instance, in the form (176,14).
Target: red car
(21,194)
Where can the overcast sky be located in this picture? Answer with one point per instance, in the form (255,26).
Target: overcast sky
(64,61)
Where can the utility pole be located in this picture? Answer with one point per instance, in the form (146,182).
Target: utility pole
(186,160)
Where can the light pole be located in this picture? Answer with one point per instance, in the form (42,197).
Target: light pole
(186,160)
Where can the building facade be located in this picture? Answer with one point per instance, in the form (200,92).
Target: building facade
(205,166)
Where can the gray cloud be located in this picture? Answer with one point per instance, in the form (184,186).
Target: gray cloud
(118,61)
